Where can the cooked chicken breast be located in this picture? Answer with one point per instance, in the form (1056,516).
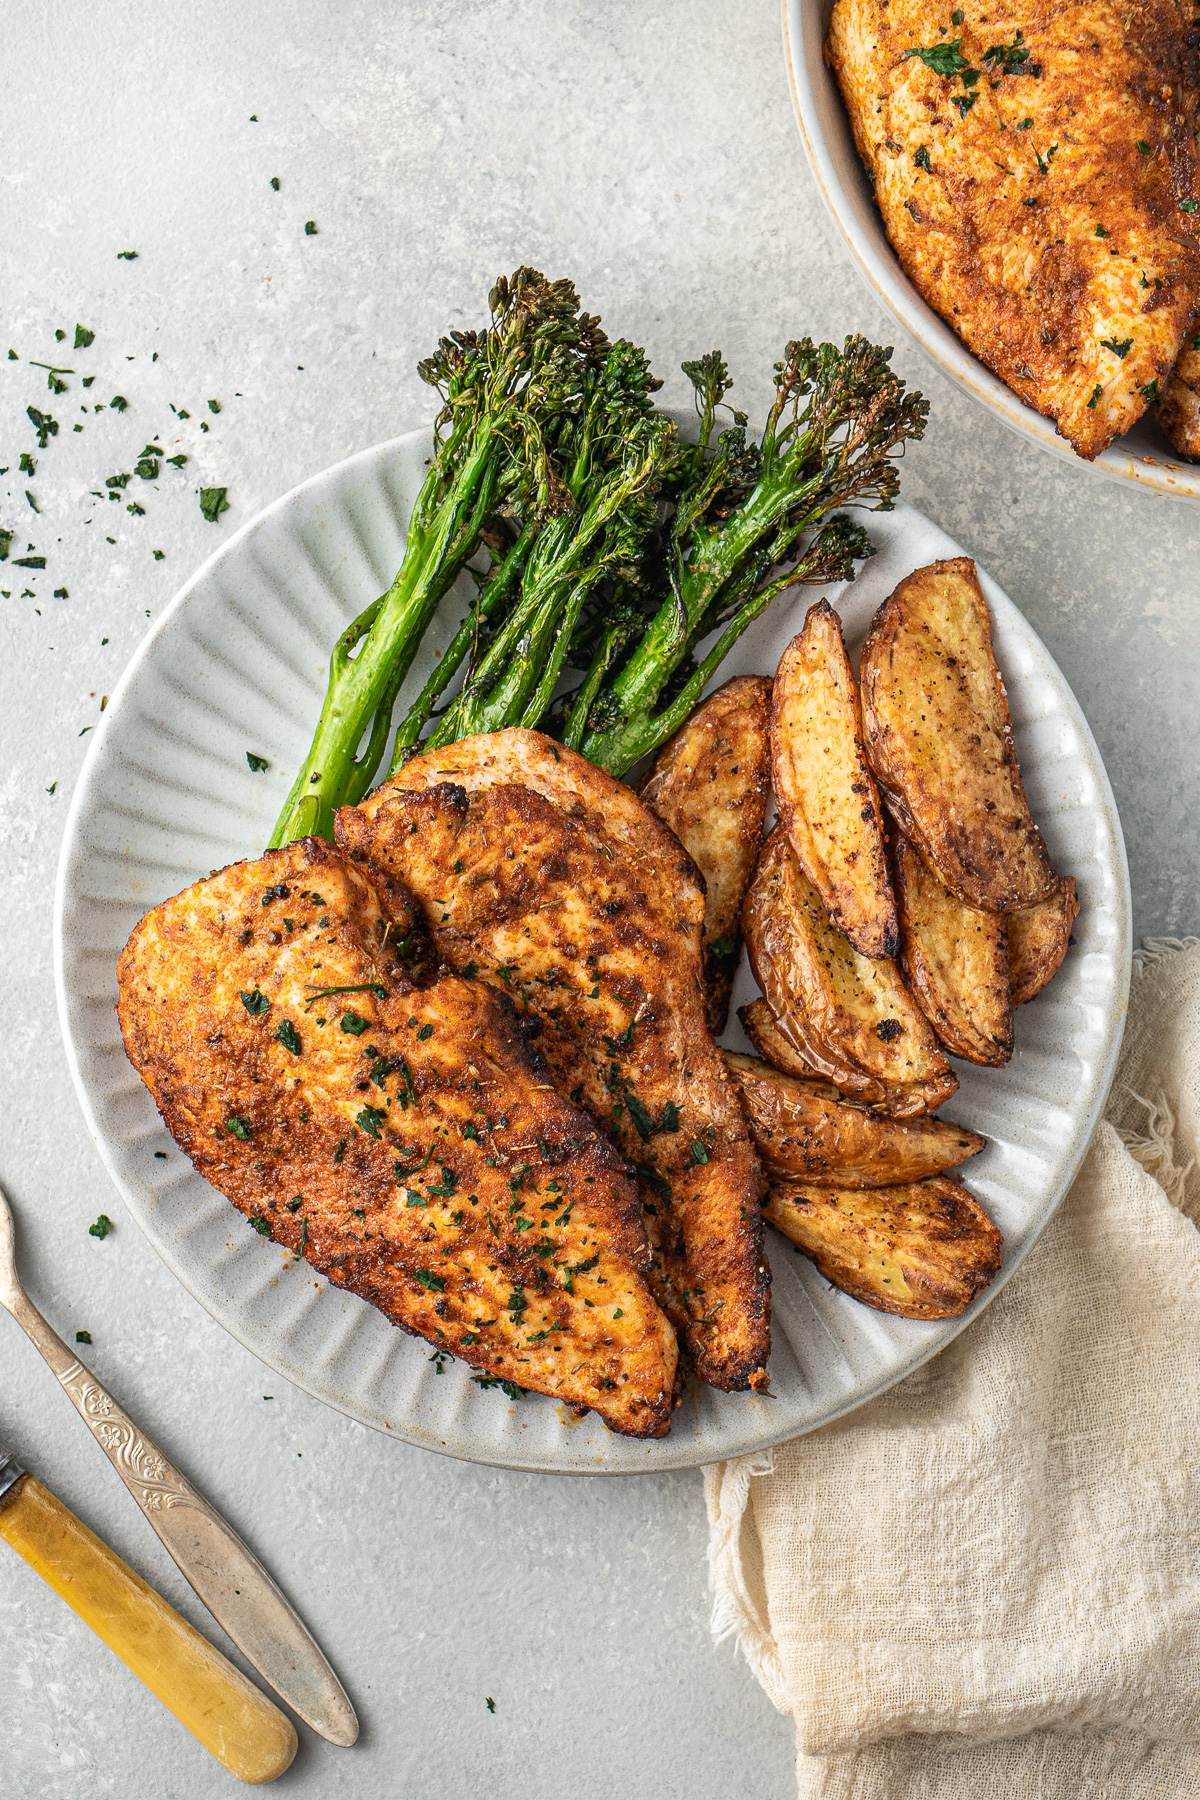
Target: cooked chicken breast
(556,885)
(1036,170)
(396,1136)
(710,785)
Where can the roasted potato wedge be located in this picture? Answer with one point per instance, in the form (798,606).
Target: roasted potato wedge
(1038,939)
(956,961)
(849,1016)
(1178,412)
(710,785)
(762,1028)
(939,739)
(923,1250)
(827,798)
(803,1136)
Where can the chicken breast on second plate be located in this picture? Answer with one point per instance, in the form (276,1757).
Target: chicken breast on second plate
(1036,170)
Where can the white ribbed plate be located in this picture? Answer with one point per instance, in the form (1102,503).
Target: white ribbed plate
(1142,455)
(238,663)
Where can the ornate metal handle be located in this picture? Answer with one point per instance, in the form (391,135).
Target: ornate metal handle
(228,1578)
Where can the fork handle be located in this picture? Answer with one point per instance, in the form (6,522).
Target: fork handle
(229,1579)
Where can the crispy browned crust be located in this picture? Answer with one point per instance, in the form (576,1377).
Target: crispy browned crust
(421,1162)
(956,961)
(563,889)
(939,738)
(1038,939)
(826,794)
(849,1017)
(710,785)
(1178,412)
(806,1136)
(1034,222)
(922,1249)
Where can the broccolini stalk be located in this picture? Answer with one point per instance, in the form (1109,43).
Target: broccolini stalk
(503,390)
(612,455)
(744,530)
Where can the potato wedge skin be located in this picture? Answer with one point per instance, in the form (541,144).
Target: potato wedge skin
(762,1028)
(956,961)
(807,1137)
(826,794)
(1037,941)
(850,1017)
(710,783)
(922,1249)
(939,739)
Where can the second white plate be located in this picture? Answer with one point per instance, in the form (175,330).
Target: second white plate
(237,663)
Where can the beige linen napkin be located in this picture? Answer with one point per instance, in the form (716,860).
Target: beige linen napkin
(987,1582)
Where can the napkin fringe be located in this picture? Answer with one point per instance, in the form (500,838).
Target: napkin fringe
(736,1613)
(1155,1149)
(1155,950)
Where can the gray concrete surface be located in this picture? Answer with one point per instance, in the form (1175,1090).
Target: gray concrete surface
(649,151)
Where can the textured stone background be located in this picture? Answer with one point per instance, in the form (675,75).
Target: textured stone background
(649,151)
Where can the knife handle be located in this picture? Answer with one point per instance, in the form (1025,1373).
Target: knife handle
(228,1577)
(213,1700)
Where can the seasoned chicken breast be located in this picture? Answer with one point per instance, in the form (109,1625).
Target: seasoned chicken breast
(397,1136)
(552,882)
(1035,166)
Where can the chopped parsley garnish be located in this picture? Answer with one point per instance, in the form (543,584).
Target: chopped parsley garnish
(83,1337)
(725,946)
(471,971)
(655,1180)
(354,987)
(1143,146)
(1012,59)
(425,1033)
(239,1128)
(353,1024)
(488,1701)
(448,1186)
(1187,206)
(404,1170)
(1095,399)
(289,1037)
(921,159)
(146,467)
(213,503)
(514,1393)
(1121,348)
(434,1283)
(43,424)
(643,1123)
(255,1003)
(943,59)
(101,1228)
(370,1119)
(262,1226)
(127,255)
(258,763)
(964,103)
(310,228)
(1100,232)
(118,403)
(1149,393)
(697,1154)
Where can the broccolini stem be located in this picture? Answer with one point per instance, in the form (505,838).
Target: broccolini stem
(440,539)
(498,589)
